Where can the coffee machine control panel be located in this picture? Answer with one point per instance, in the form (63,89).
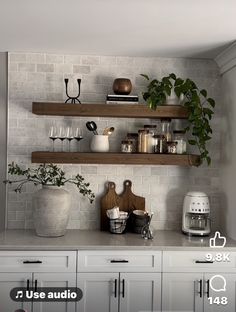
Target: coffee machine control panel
(200,208)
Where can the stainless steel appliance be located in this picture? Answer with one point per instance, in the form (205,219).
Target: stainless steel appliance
(196,214)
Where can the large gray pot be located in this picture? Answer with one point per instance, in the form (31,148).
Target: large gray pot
(51,211)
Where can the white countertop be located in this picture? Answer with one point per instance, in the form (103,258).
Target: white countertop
(89,239)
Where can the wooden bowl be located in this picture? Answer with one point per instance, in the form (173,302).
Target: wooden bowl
(122,86)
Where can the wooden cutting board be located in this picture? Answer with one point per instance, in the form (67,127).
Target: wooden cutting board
(127,201)
(130,201)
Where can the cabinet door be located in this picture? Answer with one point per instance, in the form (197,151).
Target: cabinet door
(180,292)
(140,292)
(217,284)
(7,282)
(100,292)
(54,280)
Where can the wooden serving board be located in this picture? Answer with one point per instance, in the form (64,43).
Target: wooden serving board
(127,201)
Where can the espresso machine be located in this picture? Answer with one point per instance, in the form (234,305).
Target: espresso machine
(196,214)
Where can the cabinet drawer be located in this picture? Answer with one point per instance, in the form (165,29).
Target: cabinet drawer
(195,261)
(119,261)
(37,261)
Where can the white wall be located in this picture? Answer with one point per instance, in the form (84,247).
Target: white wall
(3,135)
(228,149)
(39,77)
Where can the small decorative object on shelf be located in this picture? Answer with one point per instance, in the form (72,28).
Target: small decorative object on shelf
(122,86)
(195,100)
(73,99)
(122,99)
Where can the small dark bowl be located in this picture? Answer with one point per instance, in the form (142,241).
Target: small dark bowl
(137,222)
(122,86)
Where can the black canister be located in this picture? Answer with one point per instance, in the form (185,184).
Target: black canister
(138,219)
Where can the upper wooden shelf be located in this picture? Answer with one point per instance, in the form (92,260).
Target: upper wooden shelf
(115,158)
(109,110)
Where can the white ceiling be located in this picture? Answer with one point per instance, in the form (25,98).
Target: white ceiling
(170,28)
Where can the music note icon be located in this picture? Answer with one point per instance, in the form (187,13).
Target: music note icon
(19,294)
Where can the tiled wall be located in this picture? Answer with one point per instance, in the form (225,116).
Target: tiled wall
(40,77)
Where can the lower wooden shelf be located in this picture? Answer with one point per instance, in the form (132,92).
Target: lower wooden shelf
(115,158)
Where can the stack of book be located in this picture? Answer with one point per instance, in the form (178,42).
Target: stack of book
(121,99)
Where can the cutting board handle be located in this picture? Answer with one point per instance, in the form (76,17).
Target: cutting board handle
(111,186)
(127,184)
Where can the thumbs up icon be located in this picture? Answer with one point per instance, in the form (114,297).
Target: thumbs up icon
(217,241)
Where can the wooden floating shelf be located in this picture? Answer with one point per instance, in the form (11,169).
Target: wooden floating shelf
(115,158)
(109,110)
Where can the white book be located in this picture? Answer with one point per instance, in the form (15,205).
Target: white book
(121,102)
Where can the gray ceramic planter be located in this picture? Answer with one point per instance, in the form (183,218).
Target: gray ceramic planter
(51,211)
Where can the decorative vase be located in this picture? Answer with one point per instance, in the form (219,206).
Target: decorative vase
(51,211)
(100,143)
(122,86)
(173,99)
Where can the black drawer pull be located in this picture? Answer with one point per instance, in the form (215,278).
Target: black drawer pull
(32,262)
(119,261)
(203,261)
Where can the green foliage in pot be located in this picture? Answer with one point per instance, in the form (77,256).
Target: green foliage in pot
(196,100)
(47,174)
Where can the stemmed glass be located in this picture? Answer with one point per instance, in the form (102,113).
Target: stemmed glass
(69,136)
(78,134)
(53,135)
(62,136)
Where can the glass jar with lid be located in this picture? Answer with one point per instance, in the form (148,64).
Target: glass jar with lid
(152,132)
(133,136)
(143,141)
(166,129)
(127,146)
(179,136)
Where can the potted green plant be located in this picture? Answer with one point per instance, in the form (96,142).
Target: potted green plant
(51,203)
(197,102)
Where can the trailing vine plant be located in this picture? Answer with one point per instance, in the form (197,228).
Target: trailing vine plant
(47,174)
(197,102)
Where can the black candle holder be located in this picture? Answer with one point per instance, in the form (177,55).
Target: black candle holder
(73,99)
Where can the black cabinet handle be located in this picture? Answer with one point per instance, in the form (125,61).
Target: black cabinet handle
(28,284)
(35,285)
(200,291)
(119,261)
(203,261)
(123,288)
(208,288)
(115,288)
(32,262)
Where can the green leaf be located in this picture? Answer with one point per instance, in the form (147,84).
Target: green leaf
(192,142)
(178,82)
(172,76)
(145,76)
(203,92)
(211,102)
(177,91)
(167,90)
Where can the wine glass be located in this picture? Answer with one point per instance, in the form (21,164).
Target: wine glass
(53,135)
(78,134)
(69,136)
(62,135)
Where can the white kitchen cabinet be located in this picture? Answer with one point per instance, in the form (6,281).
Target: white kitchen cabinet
(44,268)
(54,280)
(181,292)
(229,293)
(119,292)
(100,292)
(8,281)
(140,292)
(186,283)
(119,281)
